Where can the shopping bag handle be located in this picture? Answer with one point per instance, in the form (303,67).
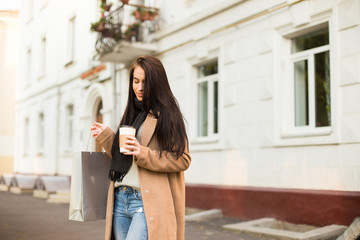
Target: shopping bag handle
(87,145)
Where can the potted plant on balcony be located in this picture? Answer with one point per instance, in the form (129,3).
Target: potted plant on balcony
(131,33)
(144,14)
(112,33)
(98,26)
(105,7)
(152,14)
(136,13)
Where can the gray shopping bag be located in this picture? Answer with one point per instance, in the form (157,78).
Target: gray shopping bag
(89,186)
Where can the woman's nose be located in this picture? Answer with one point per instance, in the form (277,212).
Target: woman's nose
(141,86)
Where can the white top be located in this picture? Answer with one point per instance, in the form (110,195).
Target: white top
(132,177)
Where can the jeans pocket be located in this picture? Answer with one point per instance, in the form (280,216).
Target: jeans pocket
(138,196)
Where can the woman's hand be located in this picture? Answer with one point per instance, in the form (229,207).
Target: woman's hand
(132,145)
(96,129)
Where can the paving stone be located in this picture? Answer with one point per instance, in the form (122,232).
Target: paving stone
(23,216)
(352,232)
(287,231)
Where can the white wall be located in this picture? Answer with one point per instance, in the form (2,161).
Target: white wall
(250,39)
(61,85)
(9,37)
(252,149)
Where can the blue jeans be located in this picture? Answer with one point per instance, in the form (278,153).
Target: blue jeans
(129,221)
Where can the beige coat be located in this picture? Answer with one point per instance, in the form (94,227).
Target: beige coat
(162,185)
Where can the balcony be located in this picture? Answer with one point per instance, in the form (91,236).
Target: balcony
(121,42)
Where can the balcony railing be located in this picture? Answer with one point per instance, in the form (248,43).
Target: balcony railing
(112,30)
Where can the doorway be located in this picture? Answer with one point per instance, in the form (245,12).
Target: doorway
(99,119)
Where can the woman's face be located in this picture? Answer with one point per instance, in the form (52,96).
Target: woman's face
(138,82)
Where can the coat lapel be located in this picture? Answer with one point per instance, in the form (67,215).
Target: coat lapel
(148,130)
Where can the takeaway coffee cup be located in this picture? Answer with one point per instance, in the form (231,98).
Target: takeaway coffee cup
(124,131)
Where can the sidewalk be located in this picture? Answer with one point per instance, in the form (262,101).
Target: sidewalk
(24,217)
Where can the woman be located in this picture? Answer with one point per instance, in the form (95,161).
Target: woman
(146,198)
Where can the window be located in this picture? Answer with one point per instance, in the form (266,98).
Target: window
(99,119)
(28,66)
(41,132)
(26,137)
(70,41)
(207,104)
(29,9)
(310,56)
(43,57)
(70,126)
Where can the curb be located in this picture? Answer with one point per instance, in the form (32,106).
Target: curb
(204,215)
(281,230)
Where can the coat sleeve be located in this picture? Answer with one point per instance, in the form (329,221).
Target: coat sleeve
(105,139)
(167,162)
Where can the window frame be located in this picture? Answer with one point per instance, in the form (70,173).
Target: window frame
(70,40)
(29,10)
(69,136)
(26,142)
(284,135)
(28,68)
(210,79)
(43,53)
(308,55)
(41,133)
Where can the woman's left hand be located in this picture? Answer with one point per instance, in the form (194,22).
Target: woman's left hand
(132,145)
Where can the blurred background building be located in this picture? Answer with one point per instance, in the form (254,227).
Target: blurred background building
(269,88)
(9,42)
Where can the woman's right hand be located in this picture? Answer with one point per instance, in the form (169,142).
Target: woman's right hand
(96,129)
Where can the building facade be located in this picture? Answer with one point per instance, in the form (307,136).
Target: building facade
(55,106)
(268,89)
(9,22)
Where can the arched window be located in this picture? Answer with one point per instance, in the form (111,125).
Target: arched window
(99,119)
(99,116)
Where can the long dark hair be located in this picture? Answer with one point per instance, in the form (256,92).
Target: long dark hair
(159,100)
